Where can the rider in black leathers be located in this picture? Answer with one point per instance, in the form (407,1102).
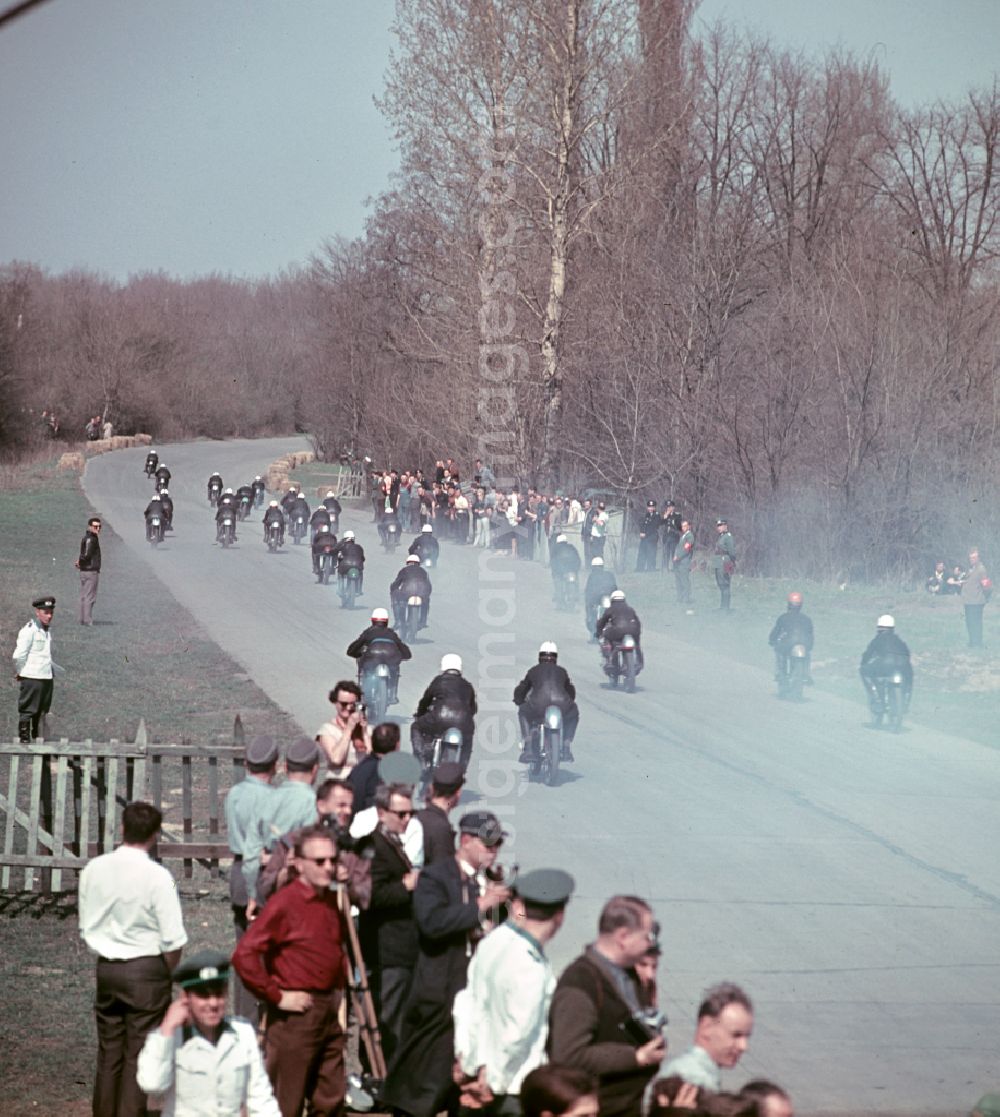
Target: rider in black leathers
(619,620)
(225,507)
(449,701)
(884,656)
(546,684)
(215,481)
(152,461)
(155,508)
(332,504)
(168,509)
(244,499)
(425,546)
(325,541)
(791,628)
(410,581)
(162,476)
(258,488)
(274,515)
(380,644)
(319,517)
(351,554)
(289,499)
(601,583)
(564,559)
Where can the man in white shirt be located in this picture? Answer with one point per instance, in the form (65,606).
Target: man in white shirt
(199,1061)
(501,1016)
(130,917)
(34,668)
(722,1034)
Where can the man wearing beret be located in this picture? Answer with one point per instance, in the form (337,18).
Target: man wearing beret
(447,780)
(34,668)
(248,810)
(452,899)
(501,1016)
(201,1062)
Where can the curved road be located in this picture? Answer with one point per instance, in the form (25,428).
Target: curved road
(849,881)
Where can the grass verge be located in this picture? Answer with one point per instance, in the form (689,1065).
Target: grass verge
(144,657)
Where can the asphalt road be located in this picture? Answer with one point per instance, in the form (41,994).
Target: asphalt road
(849,880)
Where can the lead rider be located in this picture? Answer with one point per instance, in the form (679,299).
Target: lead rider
(546,684)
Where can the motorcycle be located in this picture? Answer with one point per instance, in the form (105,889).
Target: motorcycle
(568,592)
(546,745)
(409,618)
(594,611)
(349,584)
(227,530)
(273,536)
(161,484)
(214,492)
(325,566)
(243,506)
(447,747)
(258,496)
(792,673)
(390,539)
(373,678)
(154,530)
(622,663)
(891,698)
(298,528)
(152,463)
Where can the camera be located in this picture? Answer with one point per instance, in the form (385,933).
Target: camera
(346,843)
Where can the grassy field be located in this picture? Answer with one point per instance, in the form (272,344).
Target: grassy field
(144,657)
(955,687)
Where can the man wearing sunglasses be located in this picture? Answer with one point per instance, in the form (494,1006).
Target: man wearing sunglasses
(291,957)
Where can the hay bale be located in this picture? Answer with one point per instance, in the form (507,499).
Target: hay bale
(72,460)
(142,439)
(121,442)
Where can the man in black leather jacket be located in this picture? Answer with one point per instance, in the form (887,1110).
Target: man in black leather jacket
(412,580)
(89,565)
(380,644)
(546,684)
(449,702)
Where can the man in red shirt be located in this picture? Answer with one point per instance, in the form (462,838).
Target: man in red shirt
(291,957)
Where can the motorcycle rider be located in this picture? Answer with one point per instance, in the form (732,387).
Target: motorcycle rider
(564,559)
(162,476)
(289,499)
(214,483)
(300,507)
(274,515)
(320,516)
(389,516)
(791,628)
(244,500)
(324,543)
(425,546)
(884,656)
(155,508)
(349,553)
(332,504)
(152,461)
(380,644)
(619,620)
(601,583)
(259,489)
(449,701)
(167,501)
(225,508)
(546,684)
(410,581)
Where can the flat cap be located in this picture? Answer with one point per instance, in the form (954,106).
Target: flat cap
(261,750)
(207,967)
(484,825)
(304,751)
(448,777)
(544,886)
(48,602)
(399,767)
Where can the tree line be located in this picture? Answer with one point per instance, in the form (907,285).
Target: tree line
(622,253)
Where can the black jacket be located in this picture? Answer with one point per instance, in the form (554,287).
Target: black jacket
(320,516)
(225,509)
(273,516)
(332,505)
(163,474)
(350,553)
(546,684)
(793,627)
(378,641)
(885,655)
(564,558)
(300,508)
(600,583)
(649,525)
(425,546)
(325,540)
(450,700)
(411,580)
(90,552)
(154,508)
(388,930)
(439,834)
(618,621)
(364,780)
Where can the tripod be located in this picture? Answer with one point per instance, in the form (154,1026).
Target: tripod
(361,997)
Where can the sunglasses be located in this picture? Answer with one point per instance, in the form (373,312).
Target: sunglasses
(347,705)
(322,860)
(400,814)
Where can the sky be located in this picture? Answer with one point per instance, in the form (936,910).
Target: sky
(235,136)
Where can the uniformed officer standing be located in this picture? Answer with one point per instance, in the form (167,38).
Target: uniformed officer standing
(34,668)
(649,535)
(248,809)
(201,1062)
(724,562)
(501,1017)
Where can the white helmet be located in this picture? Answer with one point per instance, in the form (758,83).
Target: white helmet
(618,595)
(411,559)
(348,535)
(451,662)
(597,561)
(380,616)
(258,478)
(332,493)
(164,491)
(548,648)
(229,491)
(427,529)
(273,504)
(886,621)
(560,538)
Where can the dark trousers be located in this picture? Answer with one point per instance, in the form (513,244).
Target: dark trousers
(390,988)
(34,701)
(131,1000)
(723,581)
(88,594)
(646,558)
(304,1053)
(974,624)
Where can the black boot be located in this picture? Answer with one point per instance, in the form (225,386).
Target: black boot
(24,730)
(566,754)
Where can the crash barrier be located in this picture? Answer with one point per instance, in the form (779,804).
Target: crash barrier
(62,803)
(344,480)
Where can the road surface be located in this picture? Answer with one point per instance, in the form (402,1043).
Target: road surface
(848,880)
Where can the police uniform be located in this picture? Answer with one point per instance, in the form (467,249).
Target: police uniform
(34,667)
(248,809)
(197,1078)
(724,563)
(649,534)
(501,1017)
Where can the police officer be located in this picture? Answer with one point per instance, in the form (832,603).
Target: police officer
(412,581)
(448,702)
(683,559)
(884,656)
(351,554)
(723,562)
(247,809)
(274,515)
(670,529)
(619,620)
(601,583)
(791,628)
(649,534)
(380,644)
(34,668)
(199,1059)
(425,546)
(546,684)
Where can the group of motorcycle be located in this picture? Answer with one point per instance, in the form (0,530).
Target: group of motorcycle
(159,513)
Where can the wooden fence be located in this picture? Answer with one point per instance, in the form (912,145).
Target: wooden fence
(63,802)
